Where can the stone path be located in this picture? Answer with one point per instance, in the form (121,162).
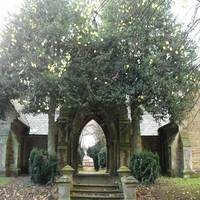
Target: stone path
(22,189)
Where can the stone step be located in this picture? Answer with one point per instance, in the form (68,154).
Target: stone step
(96,191)
(94,186)
(96,197)
(95,179)
(103,190)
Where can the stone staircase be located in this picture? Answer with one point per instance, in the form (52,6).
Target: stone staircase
(96,187)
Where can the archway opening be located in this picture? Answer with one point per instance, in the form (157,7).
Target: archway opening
(92,149)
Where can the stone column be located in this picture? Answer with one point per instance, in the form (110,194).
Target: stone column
(65,183)
(62,151)
(115,167)
(108,158)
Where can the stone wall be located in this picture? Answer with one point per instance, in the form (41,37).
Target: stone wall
(151,143)
(176,156)
(16,144)
(5,127)
(190,135)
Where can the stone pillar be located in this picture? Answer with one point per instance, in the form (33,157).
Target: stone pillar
(124,154)
(108,158)
(187,161)
(111,158)
(65,183)
(187,155)
(124,136)
(115,167)
(62,152)
(5,129)
(129,183)
(129,186)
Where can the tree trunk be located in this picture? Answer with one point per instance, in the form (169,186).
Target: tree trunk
(51,127)
(137,142)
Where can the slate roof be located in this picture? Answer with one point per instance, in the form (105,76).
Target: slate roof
(149,126)
(39,123)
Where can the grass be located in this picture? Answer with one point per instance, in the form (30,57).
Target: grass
(191,183)
(4,180)
(178,188)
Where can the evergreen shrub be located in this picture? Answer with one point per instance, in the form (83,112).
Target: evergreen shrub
(145,167)
(42,167)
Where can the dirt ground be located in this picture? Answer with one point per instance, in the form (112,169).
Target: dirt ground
(21,188)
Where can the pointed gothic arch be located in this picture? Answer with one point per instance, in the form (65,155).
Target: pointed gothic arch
(82,117)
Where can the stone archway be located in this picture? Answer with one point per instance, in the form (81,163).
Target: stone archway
(82,117)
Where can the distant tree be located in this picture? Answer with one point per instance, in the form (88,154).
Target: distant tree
(102,157)
(93,152)
(80,155)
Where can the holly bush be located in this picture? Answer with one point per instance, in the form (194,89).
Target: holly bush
(42,167)
(145,167)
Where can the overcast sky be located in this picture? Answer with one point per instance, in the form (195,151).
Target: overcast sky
(183,9)
(8,6)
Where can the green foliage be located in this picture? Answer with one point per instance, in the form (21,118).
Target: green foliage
(145,167)
(8,90)
(35,48)
(93,152)
(52,51)
(140,51)
(102,157)
(42,168)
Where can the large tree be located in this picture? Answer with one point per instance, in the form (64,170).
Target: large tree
(138,56)
(139,52)
(35,48)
